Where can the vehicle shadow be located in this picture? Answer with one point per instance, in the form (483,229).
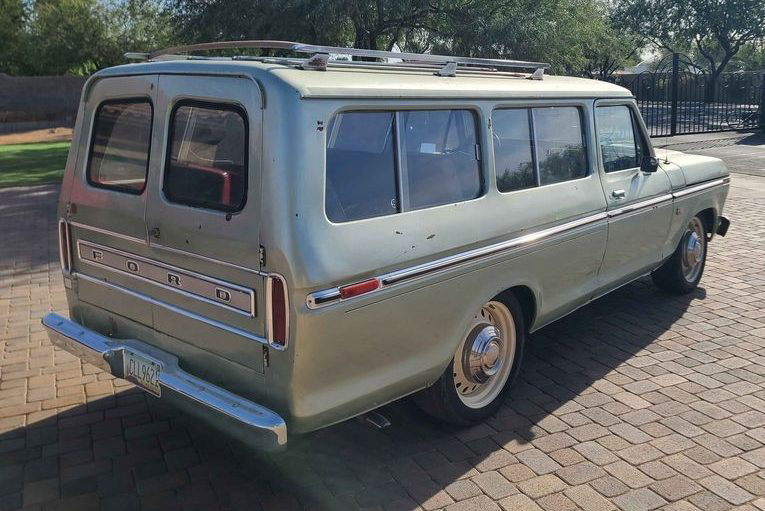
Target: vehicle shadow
(566,362)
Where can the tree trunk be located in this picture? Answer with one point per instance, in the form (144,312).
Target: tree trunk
(710,91)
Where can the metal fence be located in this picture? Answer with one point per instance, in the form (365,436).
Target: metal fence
(680,98)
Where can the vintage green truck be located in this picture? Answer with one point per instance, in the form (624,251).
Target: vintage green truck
(282,243)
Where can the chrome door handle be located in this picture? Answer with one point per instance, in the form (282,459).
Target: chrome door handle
(618,194)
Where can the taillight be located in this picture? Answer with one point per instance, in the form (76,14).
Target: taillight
(64,251)
(278,312)
(359,288)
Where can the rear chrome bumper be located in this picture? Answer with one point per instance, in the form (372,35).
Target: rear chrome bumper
(248,421)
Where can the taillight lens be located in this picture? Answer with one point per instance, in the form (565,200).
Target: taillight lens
(279,321)
(64,252)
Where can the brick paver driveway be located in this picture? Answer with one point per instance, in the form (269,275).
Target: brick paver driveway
(743,152)
(638,401)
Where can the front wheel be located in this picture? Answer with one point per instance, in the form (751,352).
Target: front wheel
(483,368)
(682,272)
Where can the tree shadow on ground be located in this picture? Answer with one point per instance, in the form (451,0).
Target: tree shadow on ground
(757,138)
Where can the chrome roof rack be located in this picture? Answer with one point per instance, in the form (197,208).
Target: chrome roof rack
(447,65)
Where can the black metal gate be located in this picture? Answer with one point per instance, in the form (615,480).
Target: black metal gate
(679,98)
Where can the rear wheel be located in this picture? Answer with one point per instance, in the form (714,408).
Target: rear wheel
(682,272)
(483,368)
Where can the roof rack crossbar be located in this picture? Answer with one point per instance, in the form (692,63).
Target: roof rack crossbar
(449,63)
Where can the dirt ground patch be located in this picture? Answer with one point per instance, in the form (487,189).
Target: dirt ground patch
(44,135)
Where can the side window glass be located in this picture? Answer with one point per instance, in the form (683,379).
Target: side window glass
(361,173)
(513,157)
(119,151)
(207,159)
(619,148)
(440,148)
(560,144)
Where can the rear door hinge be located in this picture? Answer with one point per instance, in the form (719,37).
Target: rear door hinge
(262,256)
(266,358)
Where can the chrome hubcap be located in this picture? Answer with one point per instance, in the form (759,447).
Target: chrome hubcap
(694,247)
(484,359)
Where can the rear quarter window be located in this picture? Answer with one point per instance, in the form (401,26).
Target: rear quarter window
(206,163)
(119,149)
(441,157)
(382,163)
(361,180)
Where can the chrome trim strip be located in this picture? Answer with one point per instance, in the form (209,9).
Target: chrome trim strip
(698,188)
(108,232)
(629,208)
(269,312)
(320,298)
(169,249)
(64,246)
(207,259)
(250,312)
(176,384)
(172,308)
(329,296)
(395,277)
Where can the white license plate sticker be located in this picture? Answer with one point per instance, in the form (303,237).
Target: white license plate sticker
(142,371)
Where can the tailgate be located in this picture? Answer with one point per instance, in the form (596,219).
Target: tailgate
(163,212)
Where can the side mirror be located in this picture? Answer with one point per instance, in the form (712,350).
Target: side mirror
(649,164)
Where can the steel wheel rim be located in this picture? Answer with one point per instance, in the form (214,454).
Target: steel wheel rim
(492,334)
(693,250)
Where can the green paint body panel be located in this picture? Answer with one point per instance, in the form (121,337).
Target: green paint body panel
(355,355)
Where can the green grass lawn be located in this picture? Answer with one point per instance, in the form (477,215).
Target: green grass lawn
(31,164)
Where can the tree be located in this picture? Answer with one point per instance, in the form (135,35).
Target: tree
(751,57)
(575,36)
(11,34)
(717,30)
(138,25)
(65,37)
(606,48)
(313,21)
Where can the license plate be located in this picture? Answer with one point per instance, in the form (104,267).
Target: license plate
(142,371)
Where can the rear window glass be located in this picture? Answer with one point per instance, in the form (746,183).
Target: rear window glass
(513,157)
(207,160)
(438,162)
(560,144)
(119,151)
(361,181)
(441,162)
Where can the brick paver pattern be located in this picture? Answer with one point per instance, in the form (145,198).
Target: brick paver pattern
(638,401)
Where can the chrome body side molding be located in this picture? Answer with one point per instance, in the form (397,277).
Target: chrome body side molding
(178,310)
(326,297)
(700,187)
(329,296)
(242,417)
